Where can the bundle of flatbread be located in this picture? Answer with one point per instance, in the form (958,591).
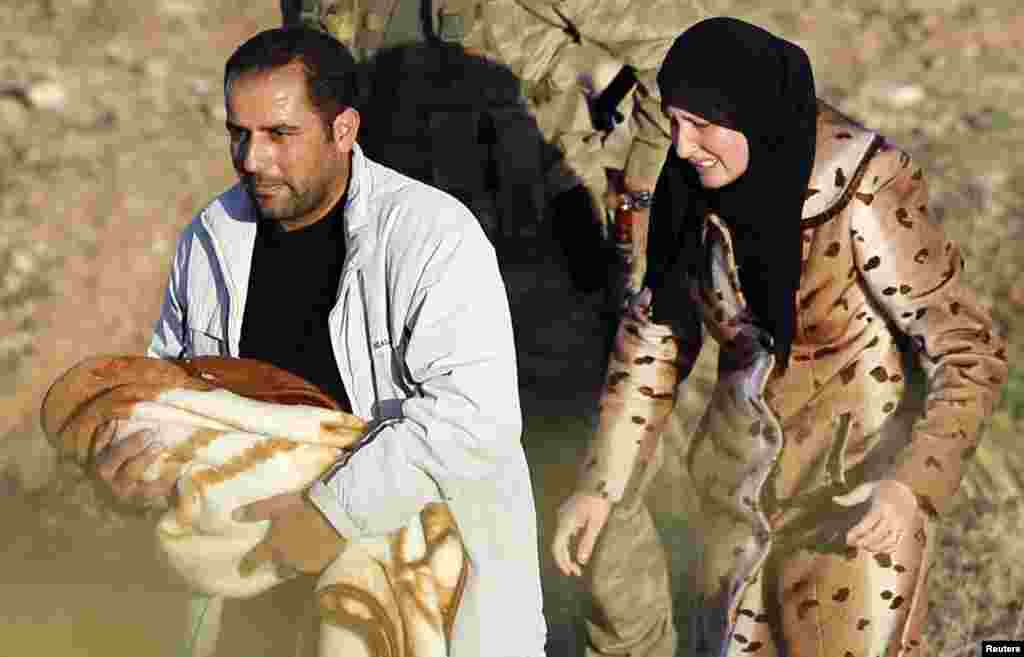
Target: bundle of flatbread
(235,431)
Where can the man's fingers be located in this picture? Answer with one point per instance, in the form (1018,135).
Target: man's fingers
(255,558)
(103,435)
(108,464)
(161,487)
(136,466)
(123,489)
(268,508)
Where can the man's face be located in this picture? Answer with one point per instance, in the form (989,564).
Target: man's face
(293,170)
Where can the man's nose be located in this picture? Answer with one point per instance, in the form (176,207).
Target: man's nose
(252,155)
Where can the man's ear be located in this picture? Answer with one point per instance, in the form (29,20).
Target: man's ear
(346,129)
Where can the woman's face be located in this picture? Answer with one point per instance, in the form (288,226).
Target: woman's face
(719,155)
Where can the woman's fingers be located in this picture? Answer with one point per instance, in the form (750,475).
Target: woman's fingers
(568,526)
(892,512)
(859,532)
(580,513)
(878,538)
(883,537)
(892,542)
(595,522)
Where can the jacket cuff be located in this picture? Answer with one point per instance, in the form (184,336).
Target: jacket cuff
(651,143)
(330,501)
(932,468)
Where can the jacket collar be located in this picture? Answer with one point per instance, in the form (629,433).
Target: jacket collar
(231,220)
(231,223)
(360,223)
(360,186)
(842,145)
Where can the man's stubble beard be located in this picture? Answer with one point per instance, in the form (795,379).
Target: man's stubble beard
(291,207)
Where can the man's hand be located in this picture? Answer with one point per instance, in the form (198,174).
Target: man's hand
(585,512)
(300,538)
(888,520)
(120,461)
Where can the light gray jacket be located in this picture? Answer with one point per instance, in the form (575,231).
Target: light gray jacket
(423,342)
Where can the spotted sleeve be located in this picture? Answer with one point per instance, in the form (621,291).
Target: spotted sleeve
(648,362)
(914,273)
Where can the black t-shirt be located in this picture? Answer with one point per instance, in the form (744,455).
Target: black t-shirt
(293,285)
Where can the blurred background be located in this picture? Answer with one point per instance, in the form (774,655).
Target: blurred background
(111,137)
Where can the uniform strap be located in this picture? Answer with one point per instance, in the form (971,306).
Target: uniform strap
(453,19)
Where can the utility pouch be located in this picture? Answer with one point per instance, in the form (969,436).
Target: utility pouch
(604,112)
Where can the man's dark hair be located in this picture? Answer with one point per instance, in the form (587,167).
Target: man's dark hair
(331,71)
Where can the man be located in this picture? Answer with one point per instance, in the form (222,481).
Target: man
(386,293)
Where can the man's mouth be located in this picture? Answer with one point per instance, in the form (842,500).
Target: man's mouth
(705,163)
(264,191)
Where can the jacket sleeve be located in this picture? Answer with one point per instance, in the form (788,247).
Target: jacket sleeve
(640,390)
(463,421)
(563,40)
(915,274)
(168,339)
(579,46)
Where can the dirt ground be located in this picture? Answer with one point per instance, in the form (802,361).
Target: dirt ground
(111,136)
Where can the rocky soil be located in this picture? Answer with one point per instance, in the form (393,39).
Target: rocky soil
(111,136)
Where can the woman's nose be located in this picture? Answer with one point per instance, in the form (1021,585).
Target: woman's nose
(685,145)
(685,135)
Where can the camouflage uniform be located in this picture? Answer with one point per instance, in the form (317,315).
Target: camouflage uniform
(560,54)
(568,51)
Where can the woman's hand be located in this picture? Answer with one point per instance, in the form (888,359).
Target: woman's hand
(892,512)
(580,512)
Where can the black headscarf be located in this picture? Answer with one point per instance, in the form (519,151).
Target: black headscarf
(738,75)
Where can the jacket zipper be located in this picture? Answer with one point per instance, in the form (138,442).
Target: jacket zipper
(231,291)
(369,339)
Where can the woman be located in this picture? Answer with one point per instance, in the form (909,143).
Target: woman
(802,242)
